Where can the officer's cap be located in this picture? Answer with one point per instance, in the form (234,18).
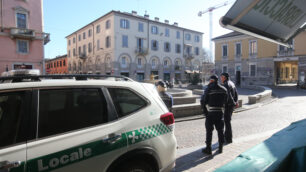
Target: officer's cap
(225,74)
(161,83)
(214,77)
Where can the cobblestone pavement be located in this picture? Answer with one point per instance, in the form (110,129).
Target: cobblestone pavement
(249,127)
(192,159)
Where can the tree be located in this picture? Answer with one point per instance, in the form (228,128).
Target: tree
(195,78)
(208,66)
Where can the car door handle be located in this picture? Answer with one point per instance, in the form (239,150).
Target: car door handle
(7,165)
(112,138)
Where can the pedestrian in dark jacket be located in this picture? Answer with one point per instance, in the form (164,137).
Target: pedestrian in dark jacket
(231,103)
(166,97)
(213,101)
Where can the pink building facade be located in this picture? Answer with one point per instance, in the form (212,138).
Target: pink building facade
(22,38)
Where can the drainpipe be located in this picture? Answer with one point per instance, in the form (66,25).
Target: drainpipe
(1,15)
(43,62)
(93,38)
(148,45)
(76,62)
(183,51)
(93,46)
(148,33)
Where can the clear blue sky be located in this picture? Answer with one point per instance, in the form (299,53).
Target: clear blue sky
(62,17)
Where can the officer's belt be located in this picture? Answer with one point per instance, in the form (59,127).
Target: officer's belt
(214,108)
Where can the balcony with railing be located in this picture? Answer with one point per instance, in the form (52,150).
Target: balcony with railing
(225,58)
(286,52)
(22,33)
(252,55)
(189,56)
(46,38)
(82,55)
(141,51)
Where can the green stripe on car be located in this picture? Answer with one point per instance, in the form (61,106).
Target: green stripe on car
(79,153)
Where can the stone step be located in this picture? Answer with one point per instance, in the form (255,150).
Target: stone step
(175,92)
(179,94)
(187,110)
(184,100)
(198,91)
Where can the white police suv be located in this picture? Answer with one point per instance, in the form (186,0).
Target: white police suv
(83,123)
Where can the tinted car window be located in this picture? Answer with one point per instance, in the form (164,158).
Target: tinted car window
(12,111)
(126,101)
(64,110)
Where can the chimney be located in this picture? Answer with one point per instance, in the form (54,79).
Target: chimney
(175,24)
(167,21)
(134,13)
(156,19)
(146,16)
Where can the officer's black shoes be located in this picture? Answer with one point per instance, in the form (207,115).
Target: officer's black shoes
(220,150)
(228,141)
(207,150)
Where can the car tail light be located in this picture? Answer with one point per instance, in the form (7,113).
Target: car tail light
(167,119)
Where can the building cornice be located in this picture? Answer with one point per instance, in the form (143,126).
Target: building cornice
(90,23)
(57,58)
(156,22)
(133,16)
(20,8)
(234,38)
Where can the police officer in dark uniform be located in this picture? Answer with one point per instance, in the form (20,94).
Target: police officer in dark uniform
(213,101)
(166,97)
(232,101)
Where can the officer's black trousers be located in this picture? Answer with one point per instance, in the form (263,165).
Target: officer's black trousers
(214,119)
(227,120)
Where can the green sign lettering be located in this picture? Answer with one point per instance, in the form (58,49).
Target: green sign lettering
(281,11)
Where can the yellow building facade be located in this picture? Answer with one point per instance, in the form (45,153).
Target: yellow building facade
(253,61)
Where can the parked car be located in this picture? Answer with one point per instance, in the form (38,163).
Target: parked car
(83,123)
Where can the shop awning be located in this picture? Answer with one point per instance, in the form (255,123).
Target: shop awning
(276,21)
(192,71)
(188,71)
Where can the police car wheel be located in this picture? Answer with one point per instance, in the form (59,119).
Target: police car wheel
(137,166)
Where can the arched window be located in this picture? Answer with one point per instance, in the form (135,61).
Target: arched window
(108,62)
(107,42)
(139,62)
(154,63)
(80,65)
(166,63)
(123,61)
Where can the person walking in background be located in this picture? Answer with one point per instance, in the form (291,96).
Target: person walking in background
(232,101)
(213,101)
(166,97)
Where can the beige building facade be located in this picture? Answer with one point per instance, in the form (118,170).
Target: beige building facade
(135,46)
(253,61)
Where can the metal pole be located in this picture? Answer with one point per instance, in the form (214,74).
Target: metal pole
(210,35)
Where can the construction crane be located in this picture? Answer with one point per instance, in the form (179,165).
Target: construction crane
(210,10)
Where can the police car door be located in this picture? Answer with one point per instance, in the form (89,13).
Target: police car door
(75,132)
(14,114)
